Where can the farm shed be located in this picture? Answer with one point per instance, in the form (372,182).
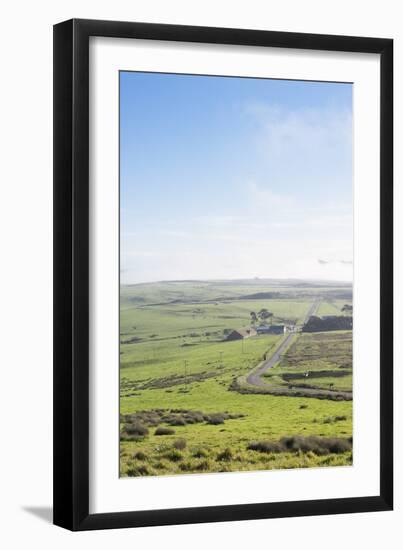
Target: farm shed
(271,329)
(240,334)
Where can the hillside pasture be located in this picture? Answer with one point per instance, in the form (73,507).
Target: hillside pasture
(176,371)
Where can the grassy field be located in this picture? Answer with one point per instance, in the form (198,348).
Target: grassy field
(321,360)
(178,414)
(333,307)
(320,351)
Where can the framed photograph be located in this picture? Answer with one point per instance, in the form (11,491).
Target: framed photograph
(222,274)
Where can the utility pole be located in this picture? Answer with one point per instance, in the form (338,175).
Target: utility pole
(186,373)
(221,359)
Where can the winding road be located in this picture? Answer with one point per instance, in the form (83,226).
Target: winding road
(255,377)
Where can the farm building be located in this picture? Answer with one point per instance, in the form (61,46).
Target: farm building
(240,334)
(271,329)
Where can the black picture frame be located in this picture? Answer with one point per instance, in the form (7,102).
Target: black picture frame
(71,274)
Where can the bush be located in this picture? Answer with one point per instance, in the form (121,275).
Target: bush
(193,417)
(174,455)
(140,455)
(298,443)
(338,445)
(164,431)
(318,445)
(303,406)
(147,418)
(315,444)
(186,466)
(179,444)
(159,465)
(203,466)
(265,446)
(138,471)
(200,453)
(225,455)
(216,418)
(176,421)
(136,429)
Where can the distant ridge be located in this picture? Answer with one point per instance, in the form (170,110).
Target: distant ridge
(299,283)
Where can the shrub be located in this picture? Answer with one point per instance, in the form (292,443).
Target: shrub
(138,471)
(189,420)
(179,444)
(147,418)
(203,466)
(338,445)
(177,421)
(136,429)
(193,417)
(186,466)
(318,445)
(315,444)
(265,446)
(140,455)
(216,418)
(303,406)
(298,443)
(159,465)
(225,455)
(162,430)
(174,455)
(200,453)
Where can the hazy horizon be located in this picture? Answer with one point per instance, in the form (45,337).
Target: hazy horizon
(234,178)
(256,280)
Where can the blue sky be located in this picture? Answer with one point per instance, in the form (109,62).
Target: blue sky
(234,177)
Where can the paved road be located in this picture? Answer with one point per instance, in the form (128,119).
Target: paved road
(254,378)
(312,310)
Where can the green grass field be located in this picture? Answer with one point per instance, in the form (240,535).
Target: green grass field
(321,360)
(176,372)
(332,307)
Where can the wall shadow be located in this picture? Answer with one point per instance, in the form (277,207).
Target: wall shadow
(45,513)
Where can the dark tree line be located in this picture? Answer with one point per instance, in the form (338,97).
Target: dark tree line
(316,324)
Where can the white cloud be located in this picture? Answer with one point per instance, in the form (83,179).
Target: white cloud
(304,146)
(279,228)
(302,129)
